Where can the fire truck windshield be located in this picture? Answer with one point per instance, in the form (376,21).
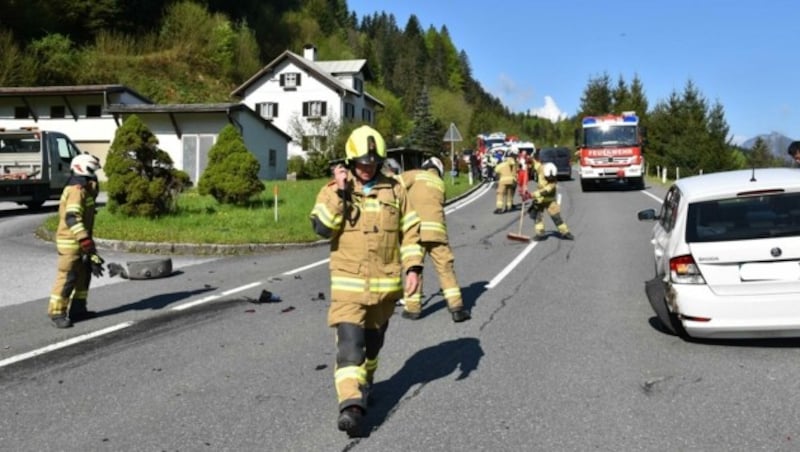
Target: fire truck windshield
(610,136)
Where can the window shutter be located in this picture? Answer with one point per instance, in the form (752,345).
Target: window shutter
(283,79)
(305,108)
(275,110)
(323,108)
(297,78)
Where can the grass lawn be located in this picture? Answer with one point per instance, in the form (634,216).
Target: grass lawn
(201,219)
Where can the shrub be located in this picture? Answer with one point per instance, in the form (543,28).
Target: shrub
(141,178)
(231,176)
(296,165)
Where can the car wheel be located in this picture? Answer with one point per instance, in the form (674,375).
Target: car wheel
(584,185)
(668,320)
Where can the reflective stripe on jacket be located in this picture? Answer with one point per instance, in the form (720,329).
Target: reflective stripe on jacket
(426,192)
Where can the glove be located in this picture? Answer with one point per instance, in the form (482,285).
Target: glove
(96,263)
(87,246)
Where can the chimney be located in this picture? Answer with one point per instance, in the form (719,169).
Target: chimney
(310,52)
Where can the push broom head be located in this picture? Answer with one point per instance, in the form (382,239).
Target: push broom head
(518,237)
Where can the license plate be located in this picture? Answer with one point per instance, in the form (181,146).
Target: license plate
(773,271)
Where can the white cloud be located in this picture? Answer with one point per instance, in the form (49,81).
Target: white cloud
(550,110)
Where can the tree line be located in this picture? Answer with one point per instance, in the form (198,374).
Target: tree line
(193,51)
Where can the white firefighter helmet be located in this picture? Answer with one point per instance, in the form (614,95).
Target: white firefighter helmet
(85,165)
(550,170)
(434,162)
(392,165)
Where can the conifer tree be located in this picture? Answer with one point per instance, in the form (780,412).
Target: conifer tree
(231,176)
(141,178)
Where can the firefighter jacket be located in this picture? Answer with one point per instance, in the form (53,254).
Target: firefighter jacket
(538,167)
(426,193)
(76,211)
(545,193)
(506,172)
(374,237)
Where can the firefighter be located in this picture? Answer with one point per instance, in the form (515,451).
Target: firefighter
(374,236)
(426,193)
(506,178)
(77,255)
(544,198)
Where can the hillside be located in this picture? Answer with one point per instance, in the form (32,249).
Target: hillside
(776,142)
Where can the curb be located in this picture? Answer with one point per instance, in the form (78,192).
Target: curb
(210,249)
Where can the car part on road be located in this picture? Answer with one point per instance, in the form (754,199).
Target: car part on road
(149,269)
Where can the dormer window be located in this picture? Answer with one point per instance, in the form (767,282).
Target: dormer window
(358,84)
(290,80)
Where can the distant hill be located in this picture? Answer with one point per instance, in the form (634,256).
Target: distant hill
(776,142)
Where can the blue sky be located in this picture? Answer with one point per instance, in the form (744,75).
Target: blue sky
(540,55)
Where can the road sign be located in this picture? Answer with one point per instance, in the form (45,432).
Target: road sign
(453,134)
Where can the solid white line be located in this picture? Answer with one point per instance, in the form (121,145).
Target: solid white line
(496,280)
(306,267)
(652,195)
(469,200)
(216,296)
(67,343)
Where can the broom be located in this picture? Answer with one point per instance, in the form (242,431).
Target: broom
(518,236)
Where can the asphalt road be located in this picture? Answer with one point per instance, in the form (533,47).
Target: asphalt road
(563,353)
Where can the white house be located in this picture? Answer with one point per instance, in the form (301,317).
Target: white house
(307,98)
(77,111)
(90,115)
(187,132)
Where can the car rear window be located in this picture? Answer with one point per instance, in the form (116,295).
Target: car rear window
(744,218)
(555,153)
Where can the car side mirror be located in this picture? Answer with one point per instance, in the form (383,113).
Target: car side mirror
(647,215)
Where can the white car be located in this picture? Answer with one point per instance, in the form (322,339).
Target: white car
(727,255)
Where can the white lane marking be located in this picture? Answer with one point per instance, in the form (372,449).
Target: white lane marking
(496,280)
(652,195)
(62,344)
(469,200)
(214,297)
(306,267)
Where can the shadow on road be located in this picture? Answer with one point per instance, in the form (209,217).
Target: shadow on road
(469,295)
(426,365)
(155,302)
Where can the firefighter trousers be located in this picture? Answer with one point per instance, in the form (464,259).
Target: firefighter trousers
(357,350)
(505,196)
(443,261)
(554,210)
(71,286)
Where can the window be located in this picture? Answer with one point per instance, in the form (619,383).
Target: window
(669,209)
(314,109)
(273,158)
(349,110)
(57,111)
(744,218)
(267,110)
(366,115)
(93,111)
(21,112)
(290,80)
(358,84)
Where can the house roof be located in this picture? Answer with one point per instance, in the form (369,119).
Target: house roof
(39,91)
(322,69)
(172,109)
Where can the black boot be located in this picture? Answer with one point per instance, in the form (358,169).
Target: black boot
(461,315)
(350,421)
(61,321)
(78,311)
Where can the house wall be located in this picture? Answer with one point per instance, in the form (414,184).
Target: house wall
(199,132)
(91,134)
(290,109)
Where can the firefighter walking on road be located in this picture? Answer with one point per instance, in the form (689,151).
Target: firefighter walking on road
(426,192)
(506,178)
(77,255)
(374,235)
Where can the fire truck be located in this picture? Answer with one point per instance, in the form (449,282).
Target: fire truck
(610,148)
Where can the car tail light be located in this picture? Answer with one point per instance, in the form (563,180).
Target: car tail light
(683,270)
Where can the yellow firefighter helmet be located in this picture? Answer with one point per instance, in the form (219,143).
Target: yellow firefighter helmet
(365,145)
